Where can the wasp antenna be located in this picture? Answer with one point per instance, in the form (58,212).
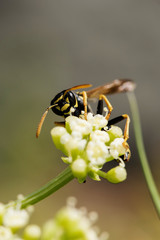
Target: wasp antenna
(42,120)
(77,87)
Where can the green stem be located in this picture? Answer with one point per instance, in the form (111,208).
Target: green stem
(102,174)
(142,154)
(52,186)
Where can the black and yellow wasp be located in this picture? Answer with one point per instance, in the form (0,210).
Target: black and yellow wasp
(68,103)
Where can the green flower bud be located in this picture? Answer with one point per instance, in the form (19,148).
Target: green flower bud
(115,132)
(116,175)
(51,231)
(32,232)
(72,223)
(60,136)
(79,168)
(75,147)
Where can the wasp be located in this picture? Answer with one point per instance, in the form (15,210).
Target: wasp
(68,103)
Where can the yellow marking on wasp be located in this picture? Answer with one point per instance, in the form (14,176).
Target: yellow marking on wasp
(65,107)
(58,99)
(58,108)
(76,104)
(67,100)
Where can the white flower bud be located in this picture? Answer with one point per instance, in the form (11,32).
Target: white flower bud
(5,233)
(58,131)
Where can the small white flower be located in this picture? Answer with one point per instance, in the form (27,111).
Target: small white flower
(82,144)
(79,125)
(15,219)
(77,135)
(97,152)
(65,138)
(98,121)
(117,148)
(74,145)
(99,135)
(5,233)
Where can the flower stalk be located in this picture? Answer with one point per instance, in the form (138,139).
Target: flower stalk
(142,153)
(52,186)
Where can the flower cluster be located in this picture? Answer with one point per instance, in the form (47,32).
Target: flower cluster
(73,223)
(12,219)
(88,145)
(69,223)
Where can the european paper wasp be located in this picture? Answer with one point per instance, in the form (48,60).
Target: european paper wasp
(68,103)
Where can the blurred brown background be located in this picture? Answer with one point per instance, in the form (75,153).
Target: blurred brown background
(48,46)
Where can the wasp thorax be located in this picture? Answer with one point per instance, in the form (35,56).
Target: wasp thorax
(67,104)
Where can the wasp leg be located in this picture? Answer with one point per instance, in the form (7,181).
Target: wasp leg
(100,106)
(126,132)
(115,120)
(84,94)
(126,129)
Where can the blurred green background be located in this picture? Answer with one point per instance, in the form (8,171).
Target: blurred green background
(48,46)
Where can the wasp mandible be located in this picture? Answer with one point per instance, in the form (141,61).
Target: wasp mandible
(68,103)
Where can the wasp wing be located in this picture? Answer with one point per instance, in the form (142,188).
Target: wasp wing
(116,86)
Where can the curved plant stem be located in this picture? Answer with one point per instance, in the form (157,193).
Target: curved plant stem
(51,187)
(142,154)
